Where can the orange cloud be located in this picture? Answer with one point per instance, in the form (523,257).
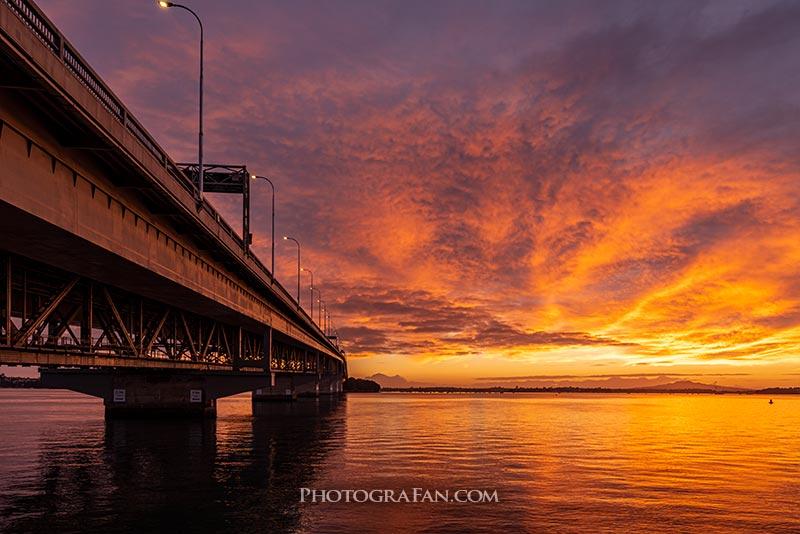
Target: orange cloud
(489,189)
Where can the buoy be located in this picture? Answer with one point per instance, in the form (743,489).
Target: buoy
(770,401)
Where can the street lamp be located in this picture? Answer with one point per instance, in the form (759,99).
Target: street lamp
(287,238)
(319,307)
(312,291)
(201,170)
(254,177)
(334,333)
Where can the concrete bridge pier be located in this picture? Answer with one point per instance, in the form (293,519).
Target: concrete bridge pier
(152,393)
(279,388)
(288,387)
(291,387)
(331,385)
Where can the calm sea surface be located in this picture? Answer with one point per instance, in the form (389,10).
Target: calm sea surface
(569,463)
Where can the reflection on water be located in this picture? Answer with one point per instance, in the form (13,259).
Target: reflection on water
(560,464)
(65,469)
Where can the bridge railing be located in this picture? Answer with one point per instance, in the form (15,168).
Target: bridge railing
(37,22)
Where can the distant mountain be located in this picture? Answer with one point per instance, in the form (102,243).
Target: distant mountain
(689,385)
(395,381)
(644,384)
(385,381)
(609,382)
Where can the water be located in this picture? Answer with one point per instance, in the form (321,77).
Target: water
(575,463)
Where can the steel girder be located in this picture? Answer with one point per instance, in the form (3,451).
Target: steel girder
(45,309)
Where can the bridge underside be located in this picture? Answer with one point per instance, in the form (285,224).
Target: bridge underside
(27,236)
(142,356)
(167,393)
(52,316)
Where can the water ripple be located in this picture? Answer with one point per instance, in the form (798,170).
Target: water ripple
(582,463)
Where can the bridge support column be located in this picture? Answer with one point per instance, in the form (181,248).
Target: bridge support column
(280,388)
(149,393)
(166,396)
(285,387)
(307,386)
(331,384)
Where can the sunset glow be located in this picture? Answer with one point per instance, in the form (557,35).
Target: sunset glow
(530,194)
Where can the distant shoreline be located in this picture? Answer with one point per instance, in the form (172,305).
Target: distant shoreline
(17,382)
(34,383)
(765,391)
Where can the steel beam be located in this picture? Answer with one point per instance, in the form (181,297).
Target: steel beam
(9,289)
(188,337)
(87,317)
(120,323)
(155,332)
(33,324)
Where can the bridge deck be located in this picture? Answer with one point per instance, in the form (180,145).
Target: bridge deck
(85,189)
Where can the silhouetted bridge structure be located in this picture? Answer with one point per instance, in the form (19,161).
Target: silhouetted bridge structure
(115,280)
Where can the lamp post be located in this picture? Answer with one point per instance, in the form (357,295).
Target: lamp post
(287,238)
(312,290)
(319,307)
(201,169)
(324,314)
(334,334)
(272,186)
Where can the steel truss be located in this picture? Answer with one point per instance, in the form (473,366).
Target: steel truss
(45,309)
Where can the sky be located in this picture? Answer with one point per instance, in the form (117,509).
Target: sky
(501,191)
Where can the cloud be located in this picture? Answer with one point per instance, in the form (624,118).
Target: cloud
(474,180)
(615,375)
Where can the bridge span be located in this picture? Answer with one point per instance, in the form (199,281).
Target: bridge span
(115,280)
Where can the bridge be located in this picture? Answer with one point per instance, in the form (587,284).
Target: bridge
(116,280)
